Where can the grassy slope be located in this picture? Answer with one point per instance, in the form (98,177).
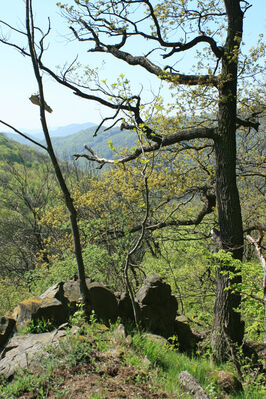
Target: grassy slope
(95,362)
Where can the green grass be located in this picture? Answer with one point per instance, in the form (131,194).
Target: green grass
(170,363)
(157,365)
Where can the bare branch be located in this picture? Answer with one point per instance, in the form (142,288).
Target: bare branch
(247,123)
(166,141)
(24,135)
(218,51)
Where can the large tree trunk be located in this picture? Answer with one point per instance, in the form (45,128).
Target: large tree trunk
(227,326)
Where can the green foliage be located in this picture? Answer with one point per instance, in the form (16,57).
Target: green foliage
(191,271)
(13,152)
(12,291)
(170,363)
(78,318)
(39,326)
(252,305)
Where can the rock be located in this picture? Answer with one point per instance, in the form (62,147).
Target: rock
(103,302)
(7,328)
(56,291)
(156,338)
(191,385)
(125,308)
(119,334)
(24,311)
(256,353)
(153,291)
(187,340)
(226,381)
(157,306)
(52,309)
(21,350)
(71,293)
(37,308)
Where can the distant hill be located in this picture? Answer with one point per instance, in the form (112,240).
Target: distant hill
(37,134)
(65,147)
(12,152)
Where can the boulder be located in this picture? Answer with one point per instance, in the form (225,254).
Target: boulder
(22,350)
(125,308)
(103,302)
(71,293)
(52,309)
(7,328)
(55,292)
(153,292)
(157,306)
(226,381)
(191,385)
(187,340)
(37,308)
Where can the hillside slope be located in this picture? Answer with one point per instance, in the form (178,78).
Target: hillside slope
(65,147)
(14,152)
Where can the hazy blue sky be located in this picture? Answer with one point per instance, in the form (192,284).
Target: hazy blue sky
(18,83)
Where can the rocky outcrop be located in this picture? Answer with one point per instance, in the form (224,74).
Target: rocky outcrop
(21,350)
(157,306)
(187,340)
(38,308)
(125,308)
(103,302)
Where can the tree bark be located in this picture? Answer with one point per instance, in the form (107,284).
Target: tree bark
(227,324)
(66,194)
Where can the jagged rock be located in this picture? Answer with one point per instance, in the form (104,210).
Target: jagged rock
(125,308)
(40,308)
(72,292)
(227,382)
(23,349)
(7,328)
(191,385)
(103,302)
(56,291)
(154,291)
(187,340)
(157,306)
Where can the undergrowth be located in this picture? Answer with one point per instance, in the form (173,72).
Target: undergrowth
(156,362)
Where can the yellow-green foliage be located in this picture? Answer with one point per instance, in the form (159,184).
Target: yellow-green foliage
(11,294)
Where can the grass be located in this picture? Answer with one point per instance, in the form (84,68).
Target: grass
(169,364)
(155,364)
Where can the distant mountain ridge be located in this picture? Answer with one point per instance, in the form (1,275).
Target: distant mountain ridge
(37,134)
(67,143)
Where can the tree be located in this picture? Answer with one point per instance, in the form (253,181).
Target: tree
(211,104)
(110,26)
(35,51)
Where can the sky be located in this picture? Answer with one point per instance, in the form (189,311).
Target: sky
(17,81)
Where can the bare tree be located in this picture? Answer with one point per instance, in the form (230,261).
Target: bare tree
(35,51)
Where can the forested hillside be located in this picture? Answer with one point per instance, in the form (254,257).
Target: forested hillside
(107,143)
